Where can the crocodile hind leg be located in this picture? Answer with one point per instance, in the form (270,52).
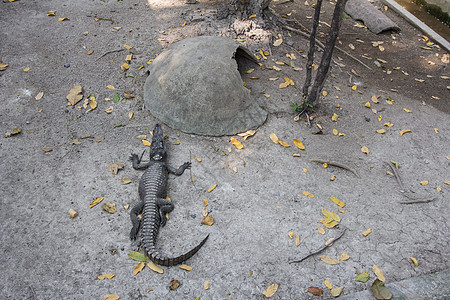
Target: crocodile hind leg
(164,206)
(135,211)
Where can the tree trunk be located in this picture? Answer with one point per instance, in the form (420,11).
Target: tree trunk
(324,66)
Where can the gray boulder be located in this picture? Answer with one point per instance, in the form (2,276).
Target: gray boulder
(195,86)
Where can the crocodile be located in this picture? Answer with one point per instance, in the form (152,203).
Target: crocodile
(152,189)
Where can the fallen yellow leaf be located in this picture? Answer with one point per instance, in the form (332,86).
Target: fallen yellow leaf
(328,284)
(374,99)
(321,230)
(404,131)
(328,260)
(407,110)
(367,232)
(288,80)
(424,182)
(236,143)
(106,276)
(125,66)
(335,117)
(335,292)
(111,87)
(51,13)
(388,124)
(155,268)
(415,262)
(96,201)
(344,256)
(129,57)
(111,297)
(299,144)
(185,267)
(274,138)
(284,144)
(283,85)
(278,42)
(146,143)
(379,273)
(331,214)
(337,201)
(367,104)
(308,194)
(305,170)
(138,268)
(381,131)
(297,240)
(436,130)
(335,132)
(290,234)
(212,188)
(365,150)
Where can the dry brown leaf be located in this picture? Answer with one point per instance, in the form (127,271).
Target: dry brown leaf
(335,292)
(278,42)
(379,273)
(39,96)
(206,285)
(270,290)
(205,212)
(47,149)
(315,291)
(109,207)
(328,260)
(247,134)
(138,268)
(344,256)
(115,167)
(174,284)
(297,240)
(75,95)
(72,213)
(365,150)
(109,109)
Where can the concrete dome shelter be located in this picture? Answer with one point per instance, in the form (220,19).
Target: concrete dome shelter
(195,86)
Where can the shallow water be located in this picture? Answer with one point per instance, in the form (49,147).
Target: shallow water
(418,11)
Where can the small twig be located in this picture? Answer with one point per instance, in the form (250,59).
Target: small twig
(336,164)
(108,52)
(320,250)
(397,177)
(320,44)
(418,201)
(307,118)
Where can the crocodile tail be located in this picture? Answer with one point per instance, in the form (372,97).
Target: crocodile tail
(172,261)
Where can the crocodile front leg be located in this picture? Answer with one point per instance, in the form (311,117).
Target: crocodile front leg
(137,165)
(180,170)
(164,206)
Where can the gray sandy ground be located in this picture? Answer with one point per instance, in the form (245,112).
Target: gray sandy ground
(48,255)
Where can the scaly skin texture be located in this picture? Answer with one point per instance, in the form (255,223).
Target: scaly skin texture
(152,188)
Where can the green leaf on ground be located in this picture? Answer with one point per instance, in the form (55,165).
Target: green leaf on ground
(379,291)
(137,256)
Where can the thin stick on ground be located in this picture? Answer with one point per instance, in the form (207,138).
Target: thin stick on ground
(320,250)
(397,177)
(336,164)
(108,52)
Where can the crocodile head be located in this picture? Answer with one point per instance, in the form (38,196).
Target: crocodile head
(158,146)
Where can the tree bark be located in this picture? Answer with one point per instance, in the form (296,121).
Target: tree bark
(312,48)
(324,66)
